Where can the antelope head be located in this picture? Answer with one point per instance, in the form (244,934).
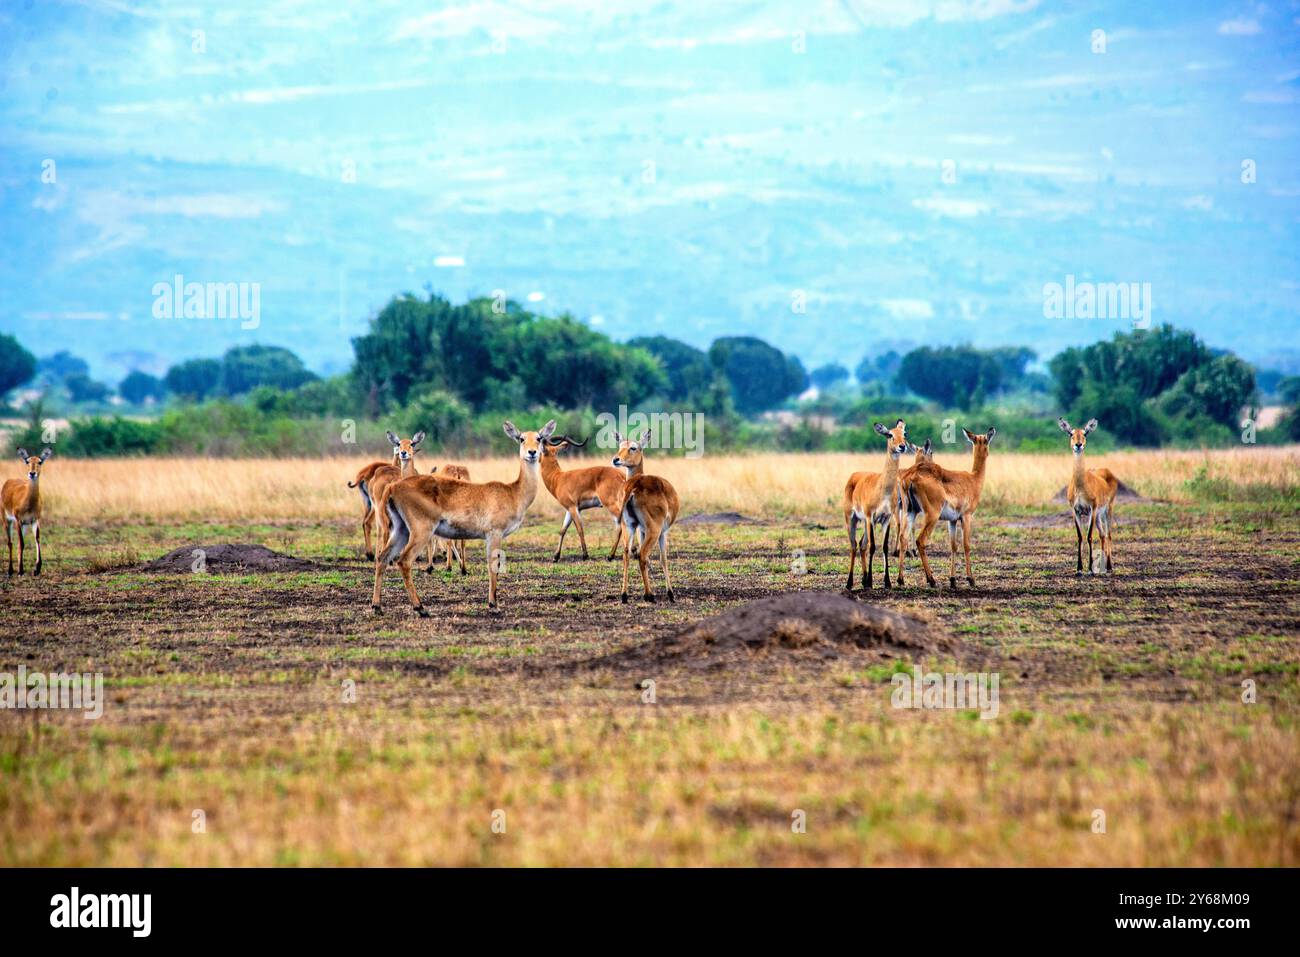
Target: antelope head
(34,462)
(404,450)
(531,444)
(897,436)
(1078,437)
(631,450)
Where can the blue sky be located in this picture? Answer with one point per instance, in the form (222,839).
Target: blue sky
(910,170)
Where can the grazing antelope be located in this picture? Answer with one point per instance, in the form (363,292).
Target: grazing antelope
(461,474)
(579,489)
(1092,493)
(22,506)
(402,465)
(940,493)
(649,506)
(419,507)
(871,499)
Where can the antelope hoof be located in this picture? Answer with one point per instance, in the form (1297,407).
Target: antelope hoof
(887,581)
(952,582)
(672,597)
(376,610)
(37,569)
(370,556)
(421,611)
(929,583)
(900,581)
(624,596)
(970,581)
(648,597)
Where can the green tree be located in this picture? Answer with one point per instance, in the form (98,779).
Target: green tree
(1218,389)
(194,379)
(829,375)
(761,376)
(689,373)
(82,388)
(139,386)
(60,365)
(958,376)
(244,368)
(17,365)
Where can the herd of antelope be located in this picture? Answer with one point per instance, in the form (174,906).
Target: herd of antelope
(404,512)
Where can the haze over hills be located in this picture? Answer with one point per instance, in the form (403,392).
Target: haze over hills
(688,170)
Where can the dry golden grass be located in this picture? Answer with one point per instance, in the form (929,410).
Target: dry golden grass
(199,489)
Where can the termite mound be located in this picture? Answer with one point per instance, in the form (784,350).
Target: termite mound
(231,559)
(811,626)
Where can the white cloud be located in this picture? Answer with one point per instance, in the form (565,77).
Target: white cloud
(1199,202)
(448,262)
(1240,27)
(955,208)
(908,308)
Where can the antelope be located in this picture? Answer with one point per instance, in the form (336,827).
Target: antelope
(419,507)
(923,454)
(374,477)
(460,473)
(22,506)
(871,498)
(1091,492)
(940,493)
(648,507)
(579,489)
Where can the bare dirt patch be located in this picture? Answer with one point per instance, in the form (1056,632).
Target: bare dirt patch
(233,559)
(718,518)
(811,626)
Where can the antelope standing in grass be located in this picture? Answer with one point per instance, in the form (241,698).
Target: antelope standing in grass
(938,493)
(1091,492)
(924,453)
(419,507)
(372,480)
(599,486)
(871,499)
(22,506)
(461,474)
(649,507)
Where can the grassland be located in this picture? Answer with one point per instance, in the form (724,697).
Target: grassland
(229,694)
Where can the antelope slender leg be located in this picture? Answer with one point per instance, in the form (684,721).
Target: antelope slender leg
(965,537)
(22,547)
(582,535)
(1110,539)
(36,531)
(1092,523)
(1078,544)
(869,554)
(365,530)
(493,550)
(564,530)
(643,559)
(922,540)
(9,540)
(627,558)
(663,558)
(884,552)
(460,554)
(952,554)
(852,522)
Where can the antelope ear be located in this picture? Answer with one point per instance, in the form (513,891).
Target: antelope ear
(881,429)
(392,438)
(47,453)
(970,436)
(1092,424)
(417,438)
(547,429)
(22,454)
(512,431)
(618,438)
(929,446)
(1065,426)
(990,433)
(645,438)
(898,423)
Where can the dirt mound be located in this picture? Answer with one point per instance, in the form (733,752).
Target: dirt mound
(718,518)
(226,560)
(1125,494)
(816,626)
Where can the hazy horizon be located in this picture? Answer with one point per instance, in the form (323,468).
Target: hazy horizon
(908,171)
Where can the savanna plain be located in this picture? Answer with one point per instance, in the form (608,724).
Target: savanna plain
(268,717)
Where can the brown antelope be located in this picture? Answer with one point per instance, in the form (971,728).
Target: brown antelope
(940,493)
(22,506)
(648,508)
(924,453)
(871,499)
(1092,493)
(374,477)
(461,474)
(419,507)
(598,486)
